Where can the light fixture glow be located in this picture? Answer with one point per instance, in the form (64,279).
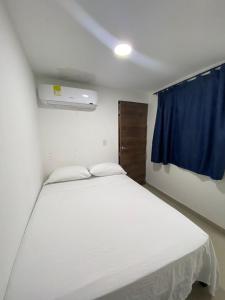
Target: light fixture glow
(123,50)
(85,95)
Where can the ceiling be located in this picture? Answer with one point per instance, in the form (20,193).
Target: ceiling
(73,40)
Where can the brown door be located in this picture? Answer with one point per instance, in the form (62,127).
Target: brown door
(132,139)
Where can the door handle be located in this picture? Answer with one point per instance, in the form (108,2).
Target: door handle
(123,148)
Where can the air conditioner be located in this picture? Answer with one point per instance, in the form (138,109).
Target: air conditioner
(58,96)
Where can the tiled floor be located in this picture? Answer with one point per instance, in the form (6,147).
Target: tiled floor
(218,239)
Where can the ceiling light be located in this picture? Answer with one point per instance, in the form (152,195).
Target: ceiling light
(123,50)
(85,95)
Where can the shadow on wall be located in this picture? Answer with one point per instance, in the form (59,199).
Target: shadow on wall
(220,184)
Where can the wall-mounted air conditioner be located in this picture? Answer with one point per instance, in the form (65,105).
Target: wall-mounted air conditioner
(58,96)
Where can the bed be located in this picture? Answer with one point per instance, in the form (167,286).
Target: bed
(109,238)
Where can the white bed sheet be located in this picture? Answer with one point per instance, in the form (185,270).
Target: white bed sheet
(109,237)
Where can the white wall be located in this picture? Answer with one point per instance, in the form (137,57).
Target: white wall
(200,193)
(81,137)
(20,165)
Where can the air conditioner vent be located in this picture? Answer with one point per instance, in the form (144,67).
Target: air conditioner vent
(57,96)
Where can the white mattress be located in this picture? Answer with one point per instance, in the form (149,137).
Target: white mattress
(109,237)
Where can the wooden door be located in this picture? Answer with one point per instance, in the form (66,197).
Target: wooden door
(132,139)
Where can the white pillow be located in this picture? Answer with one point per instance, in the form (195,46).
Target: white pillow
(68,174)
(106,169)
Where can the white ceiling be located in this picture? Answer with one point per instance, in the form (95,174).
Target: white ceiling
(72,40)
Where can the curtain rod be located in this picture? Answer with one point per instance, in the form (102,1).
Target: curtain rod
(189,79)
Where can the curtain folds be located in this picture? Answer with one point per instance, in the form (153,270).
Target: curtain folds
(190,125)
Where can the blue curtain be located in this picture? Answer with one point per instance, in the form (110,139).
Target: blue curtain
(190,125)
